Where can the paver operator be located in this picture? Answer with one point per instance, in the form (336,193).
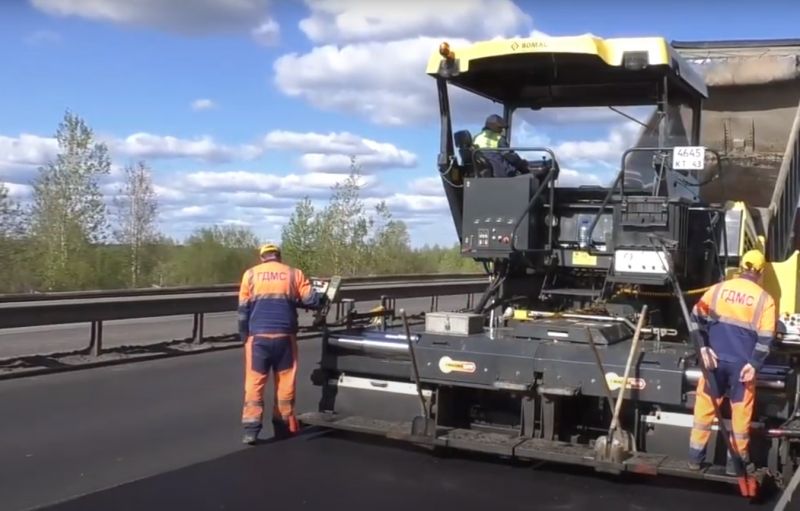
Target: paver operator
(493,136)
(269,296)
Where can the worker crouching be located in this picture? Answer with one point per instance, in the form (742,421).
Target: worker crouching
(269,296)
(738,318)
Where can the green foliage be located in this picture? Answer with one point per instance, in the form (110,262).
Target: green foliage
(137,212)
(14,271)
(300,236)
(62,241)
(68,211)
(212,255)
(346,239)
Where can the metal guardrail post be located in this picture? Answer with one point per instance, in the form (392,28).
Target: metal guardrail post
(197,328)
(96,342)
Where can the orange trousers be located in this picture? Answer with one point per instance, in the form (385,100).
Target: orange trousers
(265,354)
(741,397)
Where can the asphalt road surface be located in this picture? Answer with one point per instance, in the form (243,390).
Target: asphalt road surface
(43,340)
(165,435)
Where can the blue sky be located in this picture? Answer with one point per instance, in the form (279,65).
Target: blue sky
(293,87)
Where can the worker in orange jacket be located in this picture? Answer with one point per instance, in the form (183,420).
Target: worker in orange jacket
(269,296)
(738,318)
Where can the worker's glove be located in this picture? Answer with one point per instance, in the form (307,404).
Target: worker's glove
(709,357)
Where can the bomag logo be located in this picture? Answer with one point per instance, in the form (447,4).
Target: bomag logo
(527,45)
(614,381)
(447,365)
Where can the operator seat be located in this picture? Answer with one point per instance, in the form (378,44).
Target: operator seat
(473,164)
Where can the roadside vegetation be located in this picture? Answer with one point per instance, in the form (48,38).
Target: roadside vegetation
(68,236)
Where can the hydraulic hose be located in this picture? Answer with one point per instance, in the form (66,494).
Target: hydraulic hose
(479,307)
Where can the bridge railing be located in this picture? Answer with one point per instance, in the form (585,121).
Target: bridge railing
(96,307)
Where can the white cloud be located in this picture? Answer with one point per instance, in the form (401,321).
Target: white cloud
(360,20)
(320,153)
(331,152)
(21,156)
(400,203)
(169,195)
(291,185)
(27,149)
(608,150)
(203,104)
(427,186)
(371,57)
(19,192)
(267,33)
(193,212)
(576,153)
(204,148)
(569,177)
(181,16)
(379,72)
(383,82)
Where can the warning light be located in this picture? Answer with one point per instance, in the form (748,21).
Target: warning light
(446,52)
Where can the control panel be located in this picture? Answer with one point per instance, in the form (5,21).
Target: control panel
(492,207)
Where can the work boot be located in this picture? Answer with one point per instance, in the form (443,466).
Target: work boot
(250,438)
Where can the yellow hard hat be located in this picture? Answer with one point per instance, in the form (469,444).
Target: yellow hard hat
(753,260)
(268,248)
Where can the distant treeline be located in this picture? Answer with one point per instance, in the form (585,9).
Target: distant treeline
(67,238)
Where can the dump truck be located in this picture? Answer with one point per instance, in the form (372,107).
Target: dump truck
(581,349)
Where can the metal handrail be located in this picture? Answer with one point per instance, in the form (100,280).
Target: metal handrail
(619,182)
(783,206)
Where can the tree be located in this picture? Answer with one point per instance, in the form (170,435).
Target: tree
(68,212)
(14,266)
(389,246)
(137,212)
(10,217)
(300,238)
(343,228)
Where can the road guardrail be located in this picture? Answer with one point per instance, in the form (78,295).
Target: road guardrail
(96,307)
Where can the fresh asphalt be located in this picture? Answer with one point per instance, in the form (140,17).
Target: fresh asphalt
(165,434)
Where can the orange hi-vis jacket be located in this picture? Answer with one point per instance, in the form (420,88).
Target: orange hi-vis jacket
(740,318)
(268,299)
